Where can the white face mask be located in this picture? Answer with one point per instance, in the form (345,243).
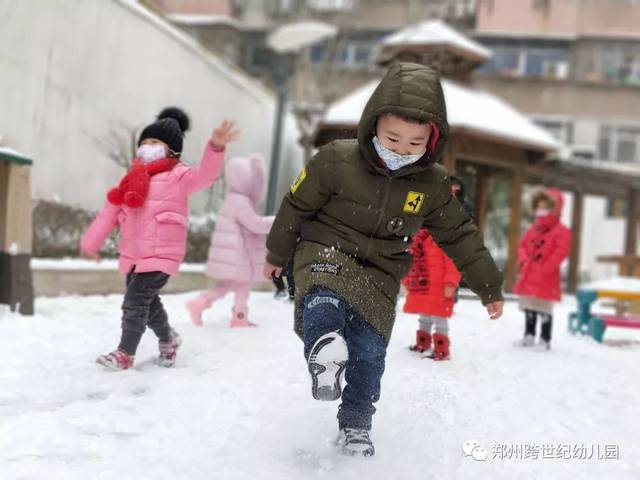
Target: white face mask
(393,160)
(151,152)
(542,212)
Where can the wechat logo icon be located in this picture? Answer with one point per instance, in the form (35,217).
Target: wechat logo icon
(472,448)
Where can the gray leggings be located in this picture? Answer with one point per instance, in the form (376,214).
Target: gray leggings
(439,324)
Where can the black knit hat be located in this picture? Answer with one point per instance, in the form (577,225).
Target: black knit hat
(169,128)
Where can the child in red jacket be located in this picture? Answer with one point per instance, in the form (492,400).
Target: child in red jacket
(431,284)
(542,250)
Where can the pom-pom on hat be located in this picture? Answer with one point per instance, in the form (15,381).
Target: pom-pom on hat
(170,127)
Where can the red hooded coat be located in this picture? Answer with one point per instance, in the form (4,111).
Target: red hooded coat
(430,272)
(542,250)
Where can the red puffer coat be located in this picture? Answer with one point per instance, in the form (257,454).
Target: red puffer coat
(430,272)
(542,250)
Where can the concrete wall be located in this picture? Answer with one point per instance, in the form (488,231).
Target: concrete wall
(78,77)
(204,7)
(548,97)
(572,17)
(57,282)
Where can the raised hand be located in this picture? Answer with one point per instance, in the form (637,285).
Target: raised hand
(224,134)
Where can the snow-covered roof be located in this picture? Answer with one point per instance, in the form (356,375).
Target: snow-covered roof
(436,32)
(468,109)
(199,19)
(12,155)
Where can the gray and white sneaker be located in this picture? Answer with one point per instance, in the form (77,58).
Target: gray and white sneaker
(527,341)
(356,441)
(543,346)
(327,361)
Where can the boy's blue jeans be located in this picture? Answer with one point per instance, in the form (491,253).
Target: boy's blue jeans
(367,350)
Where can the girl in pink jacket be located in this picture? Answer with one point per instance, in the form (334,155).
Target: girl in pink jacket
(150,207)
(237,251)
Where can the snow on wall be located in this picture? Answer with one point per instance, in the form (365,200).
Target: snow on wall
(77,75)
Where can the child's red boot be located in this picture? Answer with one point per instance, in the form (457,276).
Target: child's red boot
(423,342)
(440,347)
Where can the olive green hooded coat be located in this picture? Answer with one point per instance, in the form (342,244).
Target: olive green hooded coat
(354,219)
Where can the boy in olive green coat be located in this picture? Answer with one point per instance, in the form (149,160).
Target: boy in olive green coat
(354,208)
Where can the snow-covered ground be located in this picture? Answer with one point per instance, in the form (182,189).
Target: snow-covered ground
(238,404)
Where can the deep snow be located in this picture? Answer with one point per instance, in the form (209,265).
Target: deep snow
(238,405)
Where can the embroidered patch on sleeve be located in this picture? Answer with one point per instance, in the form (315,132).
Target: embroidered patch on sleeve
(301,178)
(413,203)
(330,268)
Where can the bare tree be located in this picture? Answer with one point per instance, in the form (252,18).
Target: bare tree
(120,143)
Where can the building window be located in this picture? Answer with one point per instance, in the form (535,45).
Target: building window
(354,55)
(260,57)
(351,55)
(527,61)
(506,61)
(619,144)
(617,208)
(561,129)
(317,53)
(614,63)
(362,54)
(628,145)
(283,7)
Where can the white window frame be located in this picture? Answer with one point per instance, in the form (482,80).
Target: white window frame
(617,133)
(567,125)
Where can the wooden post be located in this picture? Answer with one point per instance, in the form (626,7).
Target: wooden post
(576,230)
(482,197)
(517,182)
(631,237)
(449,161)
(16,287)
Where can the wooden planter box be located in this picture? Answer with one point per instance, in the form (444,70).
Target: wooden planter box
(16,287)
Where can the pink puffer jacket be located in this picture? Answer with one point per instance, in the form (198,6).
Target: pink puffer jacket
(154,236)
(238,242)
